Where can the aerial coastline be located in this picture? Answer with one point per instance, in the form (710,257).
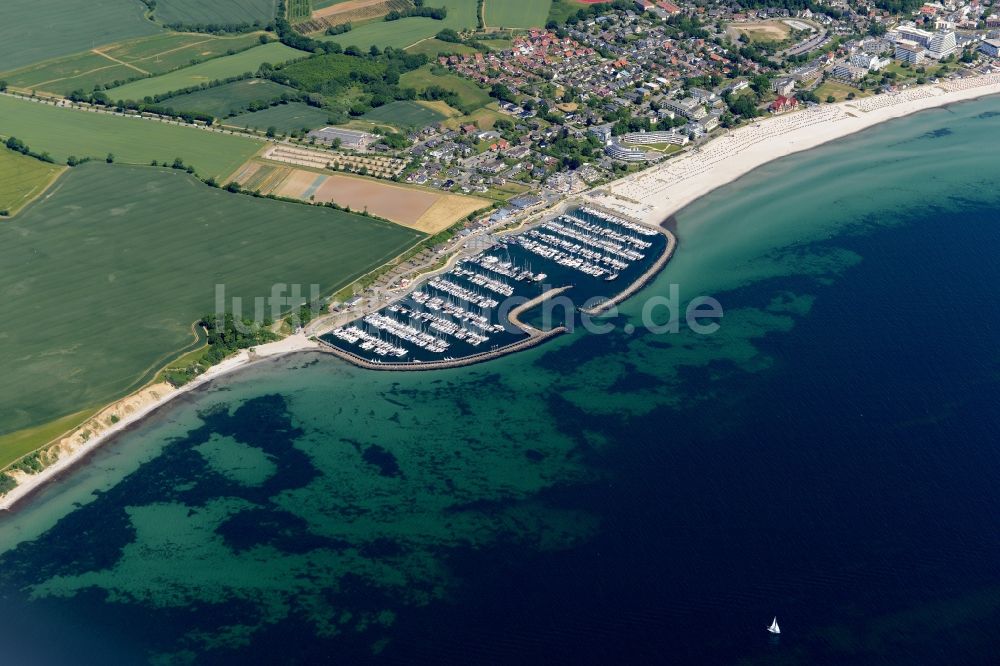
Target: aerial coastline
(650,197)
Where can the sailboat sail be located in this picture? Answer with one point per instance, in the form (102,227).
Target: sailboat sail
(774,628)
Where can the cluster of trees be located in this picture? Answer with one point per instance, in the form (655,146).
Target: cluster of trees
(18,146)
(7,484)
(449,35)
(339,29)
(592,11)
(219,28)
(226,335)
(418,9)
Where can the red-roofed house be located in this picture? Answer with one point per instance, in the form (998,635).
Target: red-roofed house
(783,104)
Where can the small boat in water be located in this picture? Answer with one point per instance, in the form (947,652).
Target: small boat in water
(774,628)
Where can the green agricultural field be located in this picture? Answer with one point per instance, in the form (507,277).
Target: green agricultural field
(108,274)
(517,13)
(561,10)
(22,178)
(404,114)
(36,30)
(435,47)
(470,94)
(213,70)
(320,4)
(220,12)
(222,101)
(156,54)
(284,118)
(64,132)
(407,32)
(497,44)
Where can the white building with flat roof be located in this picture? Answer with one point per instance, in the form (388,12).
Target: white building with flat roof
(909,51)
(914,34)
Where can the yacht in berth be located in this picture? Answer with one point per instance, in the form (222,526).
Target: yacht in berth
(774,628)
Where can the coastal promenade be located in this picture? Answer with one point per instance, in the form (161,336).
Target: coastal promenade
(657,193)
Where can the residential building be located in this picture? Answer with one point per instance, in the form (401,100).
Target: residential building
(942,44)
(849,72)
(783,86)
(991,47)
(909,51)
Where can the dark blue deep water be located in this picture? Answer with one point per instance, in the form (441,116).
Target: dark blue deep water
(829,457)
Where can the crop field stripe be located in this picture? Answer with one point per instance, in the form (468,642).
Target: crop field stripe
(23,179)
(206,72)
(133,254)
(64,132)
(36,30)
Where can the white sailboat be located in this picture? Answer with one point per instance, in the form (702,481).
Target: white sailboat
(774,628)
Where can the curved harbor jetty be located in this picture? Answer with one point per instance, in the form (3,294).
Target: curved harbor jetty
(472,312)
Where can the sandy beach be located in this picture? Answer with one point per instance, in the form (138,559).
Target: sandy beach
(133,409)
(655,194)
(650,196)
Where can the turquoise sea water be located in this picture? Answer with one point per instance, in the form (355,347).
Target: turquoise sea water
(828,456)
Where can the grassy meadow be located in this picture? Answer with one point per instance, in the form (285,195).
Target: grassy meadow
(206,72)
(228,98)
(517,13)
(425,77)
(200,12)
(407,32)
(404,114)
(156,54)
(108,273)
(64,132)
(435,47)
(36,30)
(283,117)
(21,179)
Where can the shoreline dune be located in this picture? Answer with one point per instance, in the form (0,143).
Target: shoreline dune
(651,196)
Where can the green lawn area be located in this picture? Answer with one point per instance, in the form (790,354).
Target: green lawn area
(206,72)
(108,273)
(407,32)
(839,90)
(517,13)
(497,44)
(21,179)
(404,114)
(230,98)
(283,117)
(202,12)
(64,132)
(435,47)
(471,94)
(36,30)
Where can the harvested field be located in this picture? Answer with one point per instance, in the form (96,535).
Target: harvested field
(351,11)
(206,72)
(448,210)
(422,210)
